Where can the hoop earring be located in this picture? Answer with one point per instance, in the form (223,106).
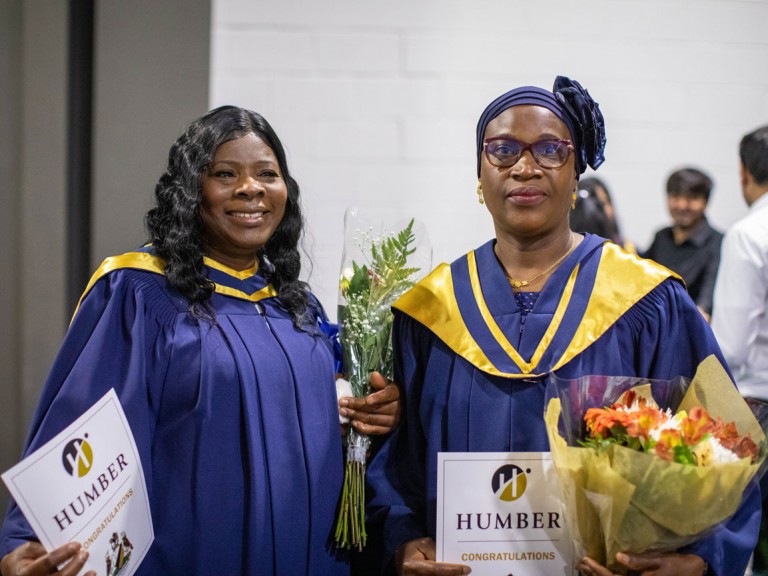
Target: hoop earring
(573,204)
(480,193)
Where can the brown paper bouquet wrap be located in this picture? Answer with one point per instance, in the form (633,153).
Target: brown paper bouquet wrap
(621,499)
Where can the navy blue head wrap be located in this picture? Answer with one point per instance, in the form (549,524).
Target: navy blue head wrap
(570,103)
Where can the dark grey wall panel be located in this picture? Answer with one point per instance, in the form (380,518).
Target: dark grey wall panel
(10,256)
(151,72)
(151,80)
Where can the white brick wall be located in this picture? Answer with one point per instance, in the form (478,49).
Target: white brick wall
(376,102)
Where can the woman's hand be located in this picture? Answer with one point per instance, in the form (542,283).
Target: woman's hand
(30,559)
(378,412)
(417,557)
(649,564)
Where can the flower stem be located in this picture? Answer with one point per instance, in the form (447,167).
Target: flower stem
(350,525)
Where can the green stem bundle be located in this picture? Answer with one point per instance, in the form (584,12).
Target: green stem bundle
(350,524)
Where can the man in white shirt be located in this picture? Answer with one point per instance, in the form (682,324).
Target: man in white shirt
(740,310)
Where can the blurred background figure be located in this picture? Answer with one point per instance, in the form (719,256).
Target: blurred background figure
(690,247)
(741,292)
(588,215)
(584,218)
(740,319)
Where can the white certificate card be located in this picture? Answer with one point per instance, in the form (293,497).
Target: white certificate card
(500,513)
(87,485)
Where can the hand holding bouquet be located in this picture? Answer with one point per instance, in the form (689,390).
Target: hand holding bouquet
(637,477)
(377,268)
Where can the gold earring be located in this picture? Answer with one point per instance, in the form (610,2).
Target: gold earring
(480,193)
(573,204)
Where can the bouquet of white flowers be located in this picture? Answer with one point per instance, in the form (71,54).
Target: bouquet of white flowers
(377,268)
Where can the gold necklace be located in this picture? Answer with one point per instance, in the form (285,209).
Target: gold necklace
(523,283)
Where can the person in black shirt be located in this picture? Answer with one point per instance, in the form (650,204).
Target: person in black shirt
(690,247)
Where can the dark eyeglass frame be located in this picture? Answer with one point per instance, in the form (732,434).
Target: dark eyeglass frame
(526,146)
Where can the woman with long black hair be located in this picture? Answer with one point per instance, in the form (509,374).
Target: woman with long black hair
(224,364)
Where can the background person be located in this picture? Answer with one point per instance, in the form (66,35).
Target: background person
(740,319)
(595,187)
(220,358)
(588,215)
(690,247)
(476,340)
(741,290)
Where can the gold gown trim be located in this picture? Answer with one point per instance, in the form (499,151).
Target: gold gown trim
(152,263)
(622,280)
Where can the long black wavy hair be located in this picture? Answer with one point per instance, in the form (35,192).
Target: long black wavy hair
(175,223)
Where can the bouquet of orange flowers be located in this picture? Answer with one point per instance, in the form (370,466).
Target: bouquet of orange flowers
(636,421)
(635,476)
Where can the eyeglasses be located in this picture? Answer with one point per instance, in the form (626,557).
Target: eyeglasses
(506,152)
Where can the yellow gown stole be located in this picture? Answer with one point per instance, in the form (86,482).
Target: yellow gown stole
(596,286)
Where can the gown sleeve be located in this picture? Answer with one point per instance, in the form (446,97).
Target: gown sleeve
(329,330)
(396,476)
(668,333)
(111,343)
(684,340)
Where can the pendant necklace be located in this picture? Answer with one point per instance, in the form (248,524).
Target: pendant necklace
(523,283)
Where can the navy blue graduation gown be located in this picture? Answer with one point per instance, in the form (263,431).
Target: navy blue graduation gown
(474,371)
(236,424)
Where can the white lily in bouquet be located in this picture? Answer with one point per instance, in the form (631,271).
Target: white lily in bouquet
(378,266)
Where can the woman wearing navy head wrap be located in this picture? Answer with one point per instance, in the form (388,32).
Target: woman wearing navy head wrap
(477,340)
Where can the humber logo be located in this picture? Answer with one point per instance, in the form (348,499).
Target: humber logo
(509,482)
(77,457)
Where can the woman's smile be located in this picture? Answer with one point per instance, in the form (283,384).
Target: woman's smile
(253,217)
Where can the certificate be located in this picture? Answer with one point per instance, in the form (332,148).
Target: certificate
(500,513)
(87,485)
